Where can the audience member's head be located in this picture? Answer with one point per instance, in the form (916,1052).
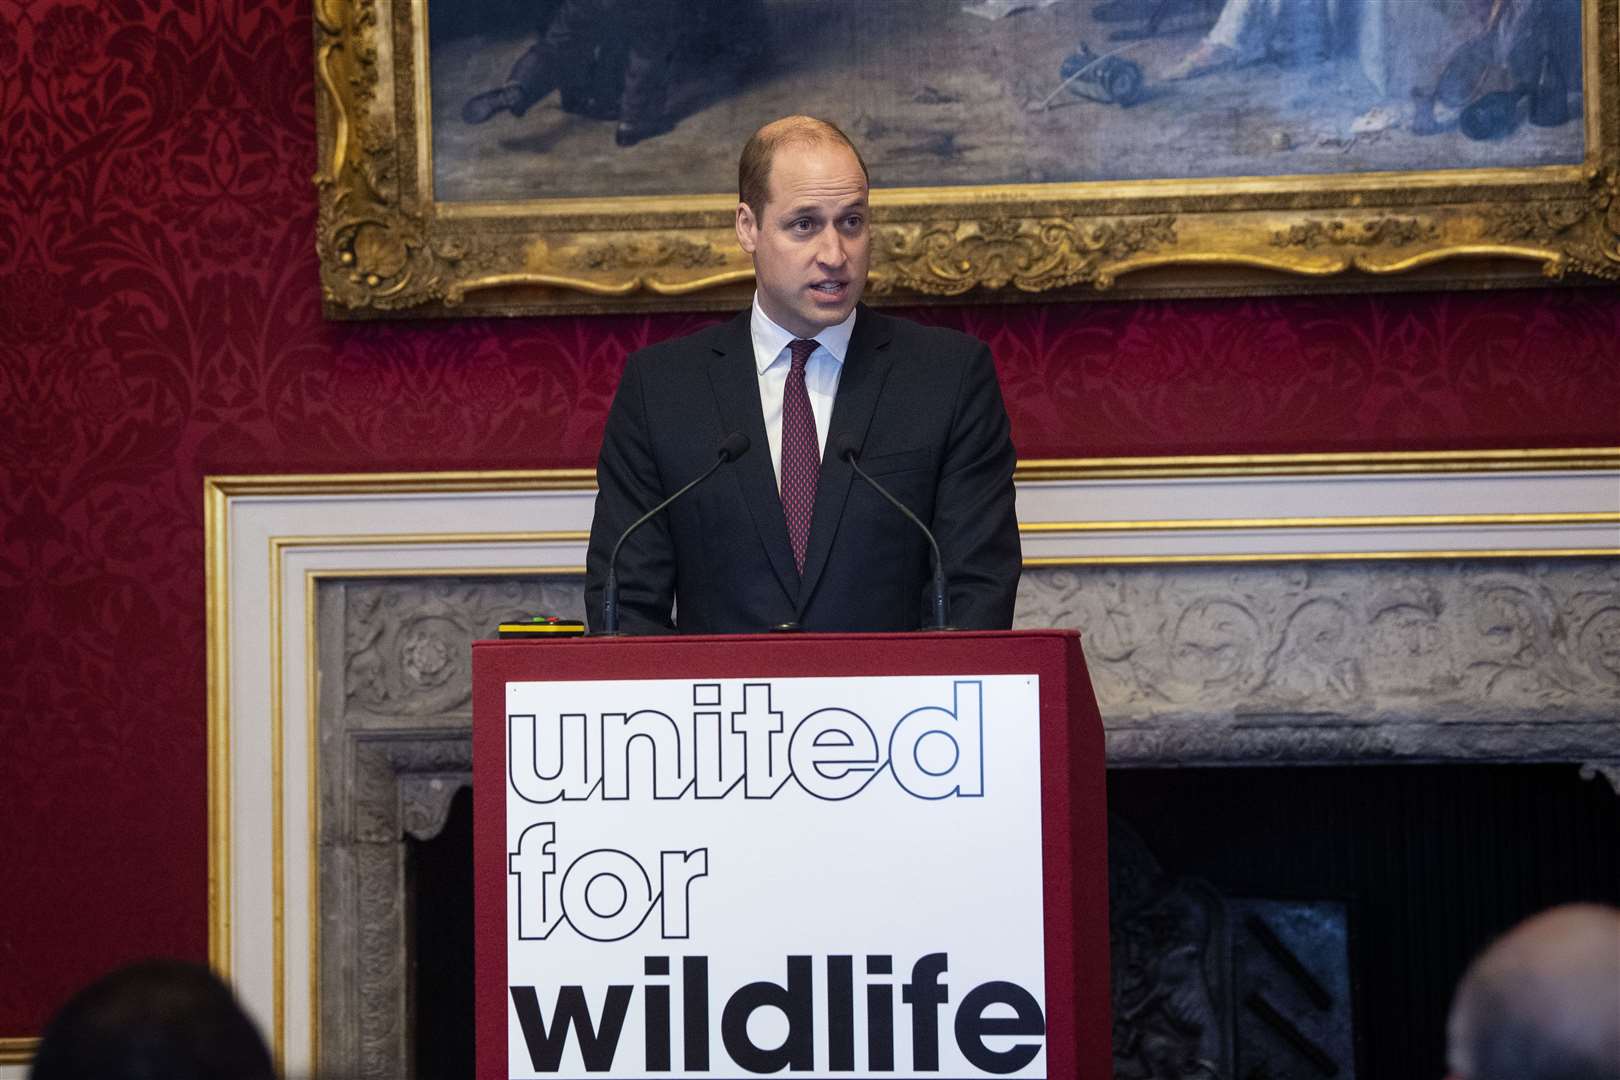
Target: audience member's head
(1543,1002)
(156,1020)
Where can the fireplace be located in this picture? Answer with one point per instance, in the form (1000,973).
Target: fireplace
(1330,721)
(1323,941)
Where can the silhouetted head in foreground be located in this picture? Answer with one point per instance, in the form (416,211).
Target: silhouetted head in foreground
(155,1020)
(1543,1002)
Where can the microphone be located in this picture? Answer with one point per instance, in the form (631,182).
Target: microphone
(734,447)
(849,450)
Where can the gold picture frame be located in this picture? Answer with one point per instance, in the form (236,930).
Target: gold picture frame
(387,248)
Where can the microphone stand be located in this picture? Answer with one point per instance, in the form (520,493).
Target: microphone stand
(941,621)
(730,450)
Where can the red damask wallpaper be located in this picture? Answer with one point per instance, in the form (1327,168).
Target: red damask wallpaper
(160,320)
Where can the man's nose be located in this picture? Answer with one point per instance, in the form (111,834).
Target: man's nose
(830,252)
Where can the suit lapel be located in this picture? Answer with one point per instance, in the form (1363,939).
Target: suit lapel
(866,367)
(735,378)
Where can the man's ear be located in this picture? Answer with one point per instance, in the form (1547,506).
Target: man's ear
(747,228)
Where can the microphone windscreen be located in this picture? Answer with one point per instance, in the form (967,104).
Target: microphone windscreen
(847,448)
(735,446)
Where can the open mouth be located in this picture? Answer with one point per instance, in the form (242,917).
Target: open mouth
(830,289)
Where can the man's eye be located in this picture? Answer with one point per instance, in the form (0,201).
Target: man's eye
(854,222)
(801,225)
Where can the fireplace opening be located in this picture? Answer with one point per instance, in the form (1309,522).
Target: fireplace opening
(1269,922)
(439,882)
(1419,865)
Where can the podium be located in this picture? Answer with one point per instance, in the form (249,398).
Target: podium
(825,855)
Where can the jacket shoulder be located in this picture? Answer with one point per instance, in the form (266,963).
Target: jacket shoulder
(913,341)
(697,348)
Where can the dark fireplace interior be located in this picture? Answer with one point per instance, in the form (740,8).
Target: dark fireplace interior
(1269,923)
(1428,862)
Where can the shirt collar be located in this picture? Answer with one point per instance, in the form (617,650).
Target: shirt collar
(770,339)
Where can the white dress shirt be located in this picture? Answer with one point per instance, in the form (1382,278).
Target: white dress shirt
(821,372)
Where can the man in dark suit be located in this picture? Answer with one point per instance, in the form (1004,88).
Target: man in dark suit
(787,534)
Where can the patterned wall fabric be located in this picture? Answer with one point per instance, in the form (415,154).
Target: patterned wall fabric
(160,320)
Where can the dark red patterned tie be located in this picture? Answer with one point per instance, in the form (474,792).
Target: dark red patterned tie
(801,453)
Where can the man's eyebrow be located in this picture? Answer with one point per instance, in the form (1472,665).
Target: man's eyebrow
(815,209)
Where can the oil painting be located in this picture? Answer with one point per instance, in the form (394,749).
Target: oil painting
(531,102)
(580,155)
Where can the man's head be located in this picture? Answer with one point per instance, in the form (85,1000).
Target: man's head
(1543,1002)
(159,1018)
(802,215)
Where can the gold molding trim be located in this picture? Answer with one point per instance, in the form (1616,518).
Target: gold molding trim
(1319,556)
(312,762)
(278,828)
(18,1051)
(216,577)
(1028,528)
(387,247)
(407,539)
(460,571)
(1362,522)
(1324,464)
(1035,470)
(406,483)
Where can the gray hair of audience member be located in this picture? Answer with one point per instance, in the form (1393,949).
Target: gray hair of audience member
(1543,1002)
(154,1020)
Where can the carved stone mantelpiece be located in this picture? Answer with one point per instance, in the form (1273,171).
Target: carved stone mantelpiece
(1310,663)
(395,746)
(1324,662)
(406,645)
(400,783)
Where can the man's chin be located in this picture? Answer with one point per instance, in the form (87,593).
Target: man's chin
(830,311)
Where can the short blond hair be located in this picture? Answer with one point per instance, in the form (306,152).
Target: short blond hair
(759,152)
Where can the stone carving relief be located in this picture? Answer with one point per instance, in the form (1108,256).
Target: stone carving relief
(1609,770)
(1170,961)
(1490,638)
(402,783)
(1322,661)
(1214,987)
(407,644)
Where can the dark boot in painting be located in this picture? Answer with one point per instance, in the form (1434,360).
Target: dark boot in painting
(480,107)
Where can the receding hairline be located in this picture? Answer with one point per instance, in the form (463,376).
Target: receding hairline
(759,153)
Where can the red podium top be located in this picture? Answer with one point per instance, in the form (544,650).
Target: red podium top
(786,654)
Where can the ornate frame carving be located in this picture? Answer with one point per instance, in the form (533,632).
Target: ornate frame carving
(386,248)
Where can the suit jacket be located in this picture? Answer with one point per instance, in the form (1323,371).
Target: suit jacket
(923,406)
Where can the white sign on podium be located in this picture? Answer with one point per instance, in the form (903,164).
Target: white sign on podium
(828,877)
